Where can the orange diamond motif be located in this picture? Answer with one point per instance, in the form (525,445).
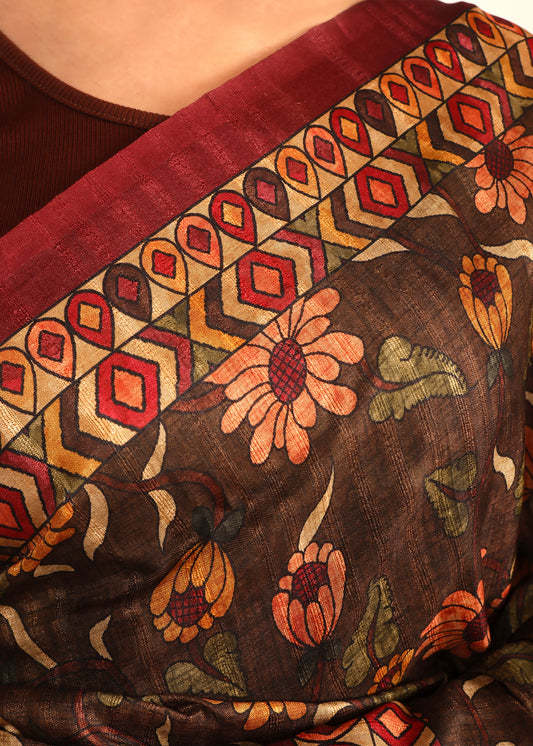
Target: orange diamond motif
(382,191)
(128,388)
(232,214)
(89,316)
(472,116)
(395,725)
(444,57)
(349,129)
(267,280)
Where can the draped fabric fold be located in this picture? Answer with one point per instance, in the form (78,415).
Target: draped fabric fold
(266,408)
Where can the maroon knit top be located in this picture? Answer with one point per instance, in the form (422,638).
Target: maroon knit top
(52,134)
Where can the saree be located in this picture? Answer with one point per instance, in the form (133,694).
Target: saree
(266,412)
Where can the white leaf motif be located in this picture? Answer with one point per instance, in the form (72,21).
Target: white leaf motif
(312,524)
(49,569)
(505,466)
(96,636)
(96,530)
(166,508)
(163,731)
(155,462)
(23,639)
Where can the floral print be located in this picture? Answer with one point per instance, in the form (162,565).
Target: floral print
(487,297)
(309,602)
(260,712)
(505,174)
(278,379)
(460,627)
(196,591)
(44,541)
(392,674)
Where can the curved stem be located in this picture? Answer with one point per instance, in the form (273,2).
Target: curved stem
(167,479)
(378,382)
(207,401)
(200,662)
(318,680)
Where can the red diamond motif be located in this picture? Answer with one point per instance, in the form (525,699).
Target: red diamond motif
(465,41)
(382,192)
(128,289)
(12,377)
(128,390)
(51,345)
(265,191)
(163,264)
(472,117)
(399,93)
(8,519)
(374,109)
(484,28)
(323,150)
(297,170)
(266,281)
(198,239)
(421,75)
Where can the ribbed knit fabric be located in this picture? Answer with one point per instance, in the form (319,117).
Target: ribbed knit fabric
(52,134)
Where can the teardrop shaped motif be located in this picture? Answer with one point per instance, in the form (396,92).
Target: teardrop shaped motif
(232,214)
(322,147)
(443,56)
(350,130)
(17,380)
(422,76)
(49,344)
(164,264)
(503,23)
(483,26)
(90,317)
(400,93)
(296,170)
(198,238)
(266,191)
(126,287)
(464,40)
(373,107)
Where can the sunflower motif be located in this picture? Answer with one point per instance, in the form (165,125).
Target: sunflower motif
(278,378)
(391,675)
(460,627)
(44,541)
(259,713)
(487,296)
(505,174)
(195,592)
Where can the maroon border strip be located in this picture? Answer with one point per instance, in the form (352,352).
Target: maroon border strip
(201,147)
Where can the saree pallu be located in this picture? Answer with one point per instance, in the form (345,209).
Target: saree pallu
(265,412)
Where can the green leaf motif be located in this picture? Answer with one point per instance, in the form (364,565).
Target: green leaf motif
(513,662)
(184,677)
(229,527)
(307,665)
(220,652)
(447,488)
(376,629)
(420,372)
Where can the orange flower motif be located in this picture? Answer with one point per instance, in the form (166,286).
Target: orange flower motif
(391,675)
(260,712)
(461,627)
(487,297)
(308,605)
(279,377)
(198,589)
(505,174)
(44,541)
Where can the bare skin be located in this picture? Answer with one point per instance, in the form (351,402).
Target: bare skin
(156,55)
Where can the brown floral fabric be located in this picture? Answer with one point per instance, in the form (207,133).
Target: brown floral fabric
(266,478)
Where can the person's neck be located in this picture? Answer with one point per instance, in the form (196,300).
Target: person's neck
(156,55)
